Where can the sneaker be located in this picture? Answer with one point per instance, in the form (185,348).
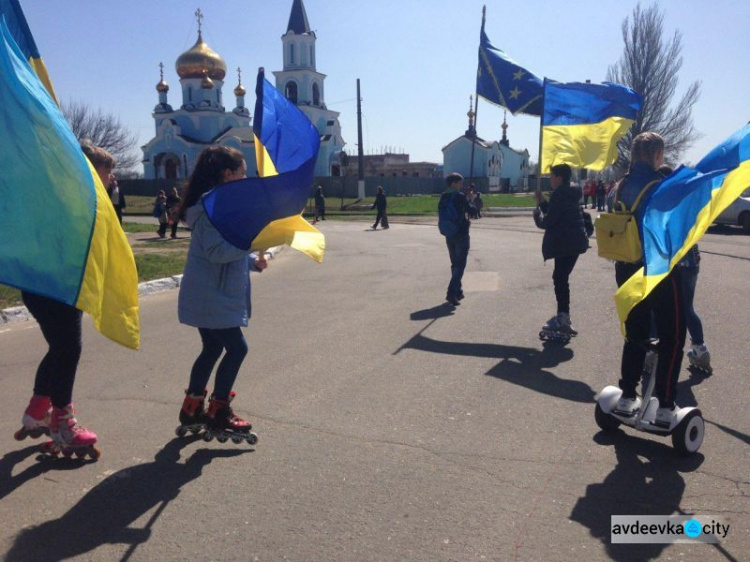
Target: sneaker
(452,300)
(460,296)
(665,416)
(628,406)
(697,351)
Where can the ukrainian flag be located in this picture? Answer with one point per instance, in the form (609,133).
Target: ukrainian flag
(582,123)
(259,212)
(680,210)
(59,234)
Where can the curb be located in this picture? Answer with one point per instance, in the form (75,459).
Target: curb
(21,314)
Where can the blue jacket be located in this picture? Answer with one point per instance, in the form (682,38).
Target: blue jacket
(215,288)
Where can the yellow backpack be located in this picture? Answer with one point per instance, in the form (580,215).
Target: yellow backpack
(617,235)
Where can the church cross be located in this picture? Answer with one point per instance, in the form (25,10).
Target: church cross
(199,17)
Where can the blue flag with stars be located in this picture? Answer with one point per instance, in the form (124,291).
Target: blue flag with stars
(500,80)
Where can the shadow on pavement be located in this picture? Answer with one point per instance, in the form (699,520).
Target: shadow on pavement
(439,311)
(645,481)
(523,366)
(104,514)
(9,483)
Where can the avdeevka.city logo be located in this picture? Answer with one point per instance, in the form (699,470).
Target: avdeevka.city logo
(666,529)
(693,528)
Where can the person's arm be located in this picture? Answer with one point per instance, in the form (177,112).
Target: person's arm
(217,249)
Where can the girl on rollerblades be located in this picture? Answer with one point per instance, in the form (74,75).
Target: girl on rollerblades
(215,298)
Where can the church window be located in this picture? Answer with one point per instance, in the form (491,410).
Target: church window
(312,55)
(291,53)
(316,94)
(291,92)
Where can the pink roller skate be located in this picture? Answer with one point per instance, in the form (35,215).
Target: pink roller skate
(35,419)
(224,424)
(68,437)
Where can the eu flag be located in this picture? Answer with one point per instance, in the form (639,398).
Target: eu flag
(582,123)
(259,212)
(500,80)
(680,210)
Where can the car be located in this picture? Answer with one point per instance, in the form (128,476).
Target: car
(738,213)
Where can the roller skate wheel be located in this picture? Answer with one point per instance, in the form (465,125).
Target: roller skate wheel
(20,435)
(251,438)
(181,431)
(208,436)
(236,439)
(222,438)
(94,453)
(195,430)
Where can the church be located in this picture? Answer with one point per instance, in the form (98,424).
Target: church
(506,168)
(202,120)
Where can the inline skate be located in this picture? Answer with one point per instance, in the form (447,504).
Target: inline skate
(36,418)
(558,329)
(192,414)
(224,424)
(68,437)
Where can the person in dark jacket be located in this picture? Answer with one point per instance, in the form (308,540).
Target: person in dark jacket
(173,210)
(564,239)
(664,303)
(380,204)
(320,204)
(459,243)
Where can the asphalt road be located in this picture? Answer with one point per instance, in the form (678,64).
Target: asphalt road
(391,427)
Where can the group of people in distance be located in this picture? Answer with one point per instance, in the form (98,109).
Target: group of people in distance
(666,313)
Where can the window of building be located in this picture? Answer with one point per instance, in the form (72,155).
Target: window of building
(290,91)
(316,94)
(291,53)
(312,55)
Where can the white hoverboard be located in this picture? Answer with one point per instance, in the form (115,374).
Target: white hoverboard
(687,428)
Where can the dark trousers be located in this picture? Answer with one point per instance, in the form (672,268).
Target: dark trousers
(458,250)
(163,228)
(689,278)
(560,277)
(61,327)
(118,210)
(380,216)
(320,212)
(214,343)
(665,305)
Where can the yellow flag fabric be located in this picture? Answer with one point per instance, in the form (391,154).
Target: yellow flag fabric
(592,146)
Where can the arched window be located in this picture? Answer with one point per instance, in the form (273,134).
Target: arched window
(170,169)
(312,55)
(291,53)
(290,91)
(316,94)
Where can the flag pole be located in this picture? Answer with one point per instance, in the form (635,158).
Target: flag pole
(476,108)
(541,137)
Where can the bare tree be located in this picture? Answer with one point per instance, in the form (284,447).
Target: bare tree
(650,66)
(103,130)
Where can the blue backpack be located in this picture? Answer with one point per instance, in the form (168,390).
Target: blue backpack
(448,216)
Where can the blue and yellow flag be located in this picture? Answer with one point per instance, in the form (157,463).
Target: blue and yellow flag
(59,234)
(680,210)
(257,213)
(582,123)
(500,80)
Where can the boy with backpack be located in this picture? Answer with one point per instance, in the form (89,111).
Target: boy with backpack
(454,225)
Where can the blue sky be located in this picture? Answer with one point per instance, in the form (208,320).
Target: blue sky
(416,59)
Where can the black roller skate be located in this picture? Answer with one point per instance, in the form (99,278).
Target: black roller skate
(558,329)
(36,418)
(192,414)
(68,437)
(224,424)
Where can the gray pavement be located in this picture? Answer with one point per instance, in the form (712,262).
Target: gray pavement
(391,427)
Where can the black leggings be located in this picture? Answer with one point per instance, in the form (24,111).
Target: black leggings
(214,343)
(560,277)
(665,306)
(61,327)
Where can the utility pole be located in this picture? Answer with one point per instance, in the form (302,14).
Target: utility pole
(360,149)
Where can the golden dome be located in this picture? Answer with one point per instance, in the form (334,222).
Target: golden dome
(162,86)
(239,90)
(200,59)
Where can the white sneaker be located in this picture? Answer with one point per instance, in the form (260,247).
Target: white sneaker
(628,406)
(665,416)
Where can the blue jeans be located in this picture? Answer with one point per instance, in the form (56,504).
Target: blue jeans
(458,250)
(689,276)
(214,343)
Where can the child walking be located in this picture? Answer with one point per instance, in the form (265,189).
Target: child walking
(215,298)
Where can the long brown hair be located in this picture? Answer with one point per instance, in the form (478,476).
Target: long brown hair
(645,148)
(209,172)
